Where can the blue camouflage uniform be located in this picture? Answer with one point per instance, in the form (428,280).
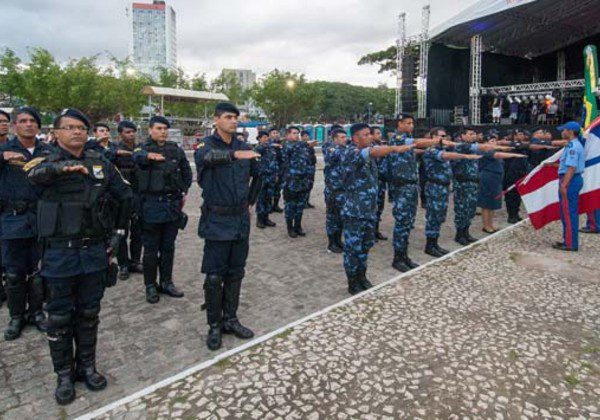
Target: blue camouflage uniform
(401,175)
(438,174)
(359,210)
(296,158)
(381,188)
(20,253)
(466,186)
(268,169)
(333,171)
(312,170)
(573,156)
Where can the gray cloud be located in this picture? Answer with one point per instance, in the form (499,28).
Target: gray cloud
(322,38)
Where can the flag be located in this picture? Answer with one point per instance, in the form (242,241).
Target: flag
(590,107)
(539,189)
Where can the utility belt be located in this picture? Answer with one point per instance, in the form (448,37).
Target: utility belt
(466,179)
(402,182)
(163,197)
(18,207)
(225,210)
(437,182)
(75,243)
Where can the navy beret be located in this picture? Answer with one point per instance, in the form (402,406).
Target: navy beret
(304,133)
(75,114)
(226,107)
(6,114)
(101,124)
(405,116)
(30,111)
(157,119)
(126,124)
(262,133)
(335,127)
(355,128)
(337,131)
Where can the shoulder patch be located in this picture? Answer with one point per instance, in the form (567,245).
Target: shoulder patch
(33,163)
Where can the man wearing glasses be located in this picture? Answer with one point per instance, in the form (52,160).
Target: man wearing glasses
(24,286)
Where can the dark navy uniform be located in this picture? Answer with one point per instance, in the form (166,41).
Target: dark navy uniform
(466,191)
(514,169)
(225,228)
(77,214)
(161,187)
(269,171)
(279,184)
(19,239)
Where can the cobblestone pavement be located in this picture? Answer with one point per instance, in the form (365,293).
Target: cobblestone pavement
(507,329)
(141,344)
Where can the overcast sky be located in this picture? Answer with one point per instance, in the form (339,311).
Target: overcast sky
(323,39)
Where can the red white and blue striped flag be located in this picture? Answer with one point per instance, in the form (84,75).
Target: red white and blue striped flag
(539,189)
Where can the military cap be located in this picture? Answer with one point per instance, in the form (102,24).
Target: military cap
(157,119)
(355,128)
(30,111)
(126,124)
(6,114)
(101,124)
(335,127)
(226,107)
(262,133)
(571,125)
(73,113)
(404,116)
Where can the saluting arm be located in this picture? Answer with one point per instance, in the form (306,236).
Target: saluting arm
(381,151)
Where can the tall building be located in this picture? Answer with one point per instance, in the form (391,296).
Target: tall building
(247,78)
(154,43)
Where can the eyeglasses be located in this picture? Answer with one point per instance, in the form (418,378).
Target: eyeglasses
(74,128)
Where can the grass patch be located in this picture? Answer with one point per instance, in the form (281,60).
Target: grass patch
(223,364)
(513,355)
(285,333)
(591,349)
(62,413)
(572,380)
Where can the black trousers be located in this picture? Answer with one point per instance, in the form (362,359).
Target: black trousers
(225,258)
(133,253)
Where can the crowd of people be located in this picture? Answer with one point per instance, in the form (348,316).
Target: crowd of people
(78,214)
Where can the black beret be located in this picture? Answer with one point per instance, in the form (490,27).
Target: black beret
(30,111)
(335,127)
(304,133)
(157,119)
(404,116)
(6,114)
(226,107)
(337,131)
(101,124)
(126,124)
(75,114)
(262,133)
(355,128)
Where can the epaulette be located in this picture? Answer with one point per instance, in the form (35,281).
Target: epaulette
(33,163)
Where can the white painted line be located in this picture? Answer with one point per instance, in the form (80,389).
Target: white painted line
(208,363)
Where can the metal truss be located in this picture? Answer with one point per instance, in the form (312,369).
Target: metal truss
(475,86)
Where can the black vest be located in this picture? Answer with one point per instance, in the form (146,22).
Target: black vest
(161,177)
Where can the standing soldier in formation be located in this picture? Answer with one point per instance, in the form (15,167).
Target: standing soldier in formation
(24,285)
(438,172)
(164,176)
(359,212)
(515,169)
(296,157)
(4,129)
(381,186)
(274,138)
(101,141)
(268,169)
(129,258)
(83,202)
(225,166)
(334,186)
(305,136)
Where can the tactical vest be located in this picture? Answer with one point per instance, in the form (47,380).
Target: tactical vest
(126,166)
(77,205)
(161,177)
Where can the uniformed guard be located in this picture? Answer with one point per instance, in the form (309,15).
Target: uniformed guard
(438,171)
(296,158)
(312,168)
(268,169)
(164,176)
(274,138)
(4,129)
(101,141)
(334,187)
(382,185)
(224,167)
(121,155)
(359,211)
(570,171)
(514,170)
(82,211)
(24,285)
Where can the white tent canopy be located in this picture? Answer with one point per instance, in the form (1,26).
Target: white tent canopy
(183,95)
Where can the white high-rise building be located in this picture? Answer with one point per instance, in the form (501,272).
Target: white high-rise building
(247,78)
(154,32)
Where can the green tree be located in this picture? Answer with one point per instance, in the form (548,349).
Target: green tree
(228,84)
(42,81)
(11,79)
(386,59)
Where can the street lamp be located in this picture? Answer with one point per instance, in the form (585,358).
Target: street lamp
(370,107)
(290,84)
(130,71)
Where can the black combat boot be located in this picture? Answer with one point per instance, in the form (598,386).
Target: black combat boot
(439,248)
(290,228)
(60,339)
(354,287)
(123,272)
(363,282)
(298,226)
(338,240)
(16,290)
(150,273)
(468,236)
(276,208)
(136,267)
(432,249)
(410,263)
(213,298)
(260,223)
(166,275)
(399,263)
(268,222)
(231,301)
(378,235)
(461,238)
(333,246)
(86,336)
(35,298)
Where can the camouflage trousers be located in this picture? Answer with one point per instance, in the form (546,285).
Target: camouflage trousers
(359,238)
(294,203)
(404,209)
(465,203)
(436,199)
(333,217)
(381,187)
(264,203)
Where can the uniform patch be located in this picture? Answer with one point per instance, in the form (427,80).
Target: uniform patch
(98,172)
